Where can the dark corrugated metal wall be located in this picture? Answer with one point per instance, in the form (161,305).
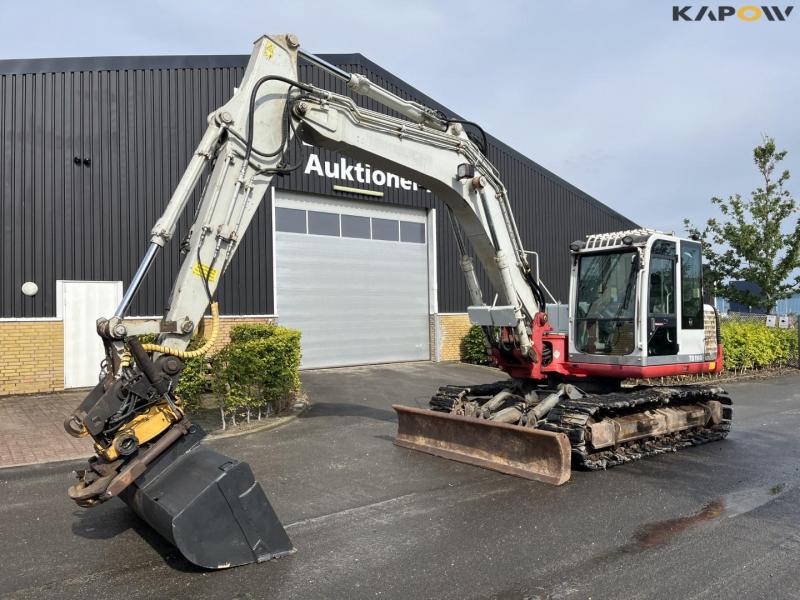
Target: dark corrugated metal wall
(137,121)
(64,219)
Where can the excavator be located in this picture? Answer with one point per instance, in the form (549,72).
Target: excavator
(636,312)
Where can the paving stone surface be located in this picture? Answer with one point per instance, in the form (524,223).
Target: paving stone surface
(32,431)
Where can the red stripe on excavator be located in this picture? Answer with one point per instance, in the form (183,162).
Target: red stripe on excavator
(637,372)
(581,369)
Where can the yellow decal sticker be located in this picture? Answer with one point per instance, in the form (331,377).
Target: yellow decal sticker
(268,50)
(712,365)
(201,270)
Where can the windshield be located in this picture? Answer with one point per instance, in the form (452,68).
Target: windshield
(605,306)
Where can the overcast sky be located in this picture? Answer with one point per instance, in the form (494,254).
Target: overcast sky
(650,116)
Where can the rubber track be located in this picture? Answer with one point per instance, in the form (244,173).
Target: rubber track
(572,417)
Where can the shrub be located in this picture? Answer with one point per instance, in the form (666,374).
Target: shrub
(254,331)
(259,368)
(473,347)
(753,345)
(193,381)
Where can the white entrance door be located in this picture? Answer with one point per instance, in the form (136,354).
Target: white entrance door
(82,303)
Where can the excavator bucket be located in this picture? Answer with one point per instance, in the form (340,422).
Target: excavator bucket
(521,451)
(208,506)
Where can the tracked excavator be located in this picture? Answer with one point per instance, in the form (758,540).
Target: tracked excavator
(635,312)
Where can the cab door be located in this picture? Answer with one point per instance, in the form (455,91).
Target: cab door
(691,335)
(662,315)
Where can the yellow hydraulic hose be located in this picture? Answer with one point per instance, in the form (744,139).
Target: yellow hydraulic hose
(191,353)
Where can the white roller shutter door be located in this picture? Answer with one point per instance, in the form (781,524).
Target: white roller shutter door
(353,278)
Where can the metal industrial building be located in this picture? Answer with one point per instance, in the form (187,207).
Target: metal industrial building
(90,151)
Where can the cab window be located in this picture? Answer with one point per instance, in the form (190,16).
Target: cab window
(691,286)
(606,302)
(662,319)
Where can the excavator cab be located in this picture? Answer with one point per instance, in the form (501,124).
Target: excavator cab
(637,306)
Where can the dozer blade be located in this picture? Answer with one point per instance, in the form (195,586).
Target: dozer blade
(521,451)
(209,506)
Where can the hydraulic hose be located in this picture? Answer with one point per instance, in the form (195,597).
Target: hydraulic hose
(210,341)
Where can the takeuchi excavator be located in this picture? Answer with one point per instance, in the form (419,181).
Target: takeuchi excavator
(635,312)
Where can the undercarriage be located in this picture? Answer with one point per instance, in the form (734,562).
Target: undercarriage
(604,429)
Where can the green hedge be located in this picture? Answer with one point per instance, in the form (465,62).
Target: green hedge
(753,345)
(264,357)
(194,381)
(259,367)
(255,331)
(473,348)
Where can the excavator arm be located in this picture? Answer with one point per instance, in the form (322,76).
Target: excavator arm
(147,449)
(244,146)
(246,141)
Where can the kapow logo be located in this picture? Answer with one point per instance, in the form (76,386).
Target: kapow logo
(747,13)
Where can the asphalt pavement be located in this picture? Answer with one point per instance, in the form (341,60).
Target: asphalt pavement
(371,520)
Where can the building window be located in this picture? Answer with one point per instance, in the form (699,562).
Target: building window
(322,223)
(355,227)
(385,229)
(290,219)
(294,220)
(412,232)
(691,286)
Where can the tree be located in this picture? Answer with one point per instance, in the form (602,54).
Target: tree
(755,240)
